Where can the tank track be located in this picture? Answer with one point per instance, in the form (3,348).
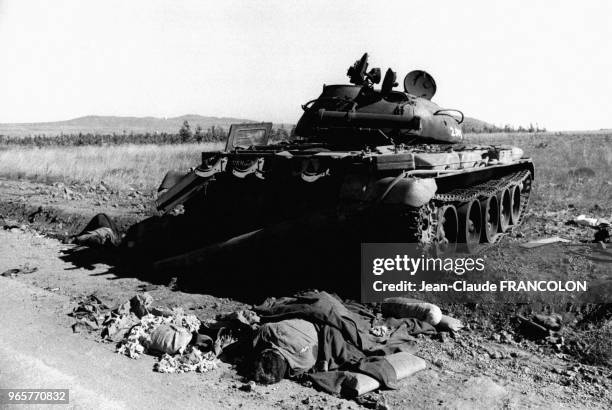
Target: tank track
(422,221)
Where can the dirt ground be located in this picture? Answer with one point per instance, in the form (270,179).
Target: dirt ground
(479,368)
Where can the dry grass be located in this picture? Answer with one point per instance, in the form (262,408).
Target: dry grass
(554,156)
(120,167)
(143,166)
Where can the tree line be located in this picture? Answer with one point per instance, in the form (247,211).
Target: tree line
(489,129)
(185,135)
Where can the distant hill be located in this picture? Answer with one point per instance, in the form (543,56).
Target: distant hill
(474,125)
(96,124)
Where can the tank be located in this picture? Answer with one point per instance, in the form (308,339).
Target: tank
(392,164)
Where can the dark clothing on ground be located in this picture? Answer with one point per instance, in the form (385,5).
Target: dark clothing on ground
(345,342)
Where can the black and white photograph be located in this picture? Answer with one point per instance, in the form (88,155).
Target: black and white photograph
(286,204)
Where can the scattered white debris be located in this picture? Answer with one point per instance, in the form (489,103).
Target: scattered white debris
(192,360)
(544,241)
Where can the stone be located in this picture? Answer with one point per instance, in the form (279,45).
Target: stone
(248,387)
(382,404)
(443,337)
(506,337)
(530,329)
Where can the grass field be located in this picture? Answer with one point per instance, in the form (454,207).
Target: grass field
(143,166)
(120,167)
(555,155)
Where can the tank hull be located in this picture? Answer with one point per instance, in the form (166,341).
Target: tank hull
(395,196)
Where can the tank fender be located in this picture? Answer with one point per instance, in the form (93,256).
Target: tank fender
(170,179)
(404,191)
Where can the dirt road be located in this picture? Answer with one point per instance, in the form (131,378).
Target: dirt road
(38,349)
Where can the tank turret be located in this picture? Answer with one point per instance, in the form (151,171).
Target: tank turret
(358,113)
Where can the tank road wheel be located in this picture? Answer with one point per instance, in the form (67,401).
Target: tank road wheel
(470,225)
(504,201)
(490,218)
(447,230)
(515,209)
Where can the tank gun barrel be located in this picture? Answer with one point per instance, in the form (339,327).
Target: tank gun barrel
(370,120)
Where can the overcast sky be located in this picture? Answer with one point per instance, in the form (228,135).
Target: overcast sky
(516,62)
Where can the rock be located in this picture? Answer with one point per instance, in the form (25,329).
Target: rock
(140,304)
(602,236)
(161,311)
(556,340)
(530,329)
(25,269)
(483,387)
(382,404)
(593,379)
(558,370)
(248,387)
(506,337)
(570,374)
(442,336)
(496,354)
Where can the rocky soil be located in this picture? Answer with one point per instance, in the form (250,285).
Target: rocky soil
(492,363)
